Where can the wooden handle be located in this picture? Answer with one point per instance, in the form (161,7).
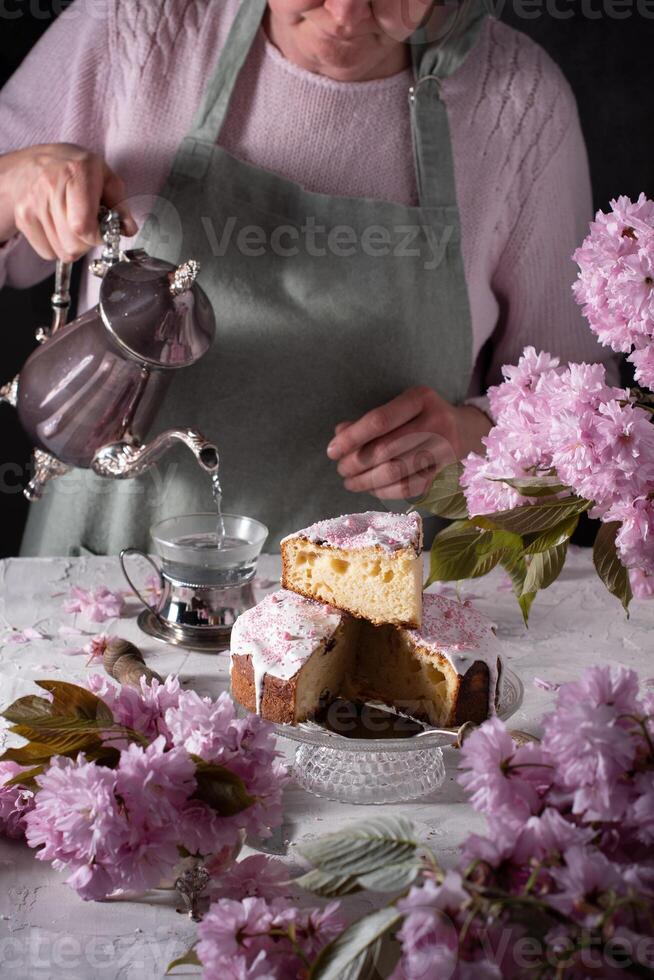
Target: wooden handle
(124,662)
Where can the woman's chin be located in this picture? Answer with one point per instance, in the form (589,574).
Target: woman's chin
(349,61)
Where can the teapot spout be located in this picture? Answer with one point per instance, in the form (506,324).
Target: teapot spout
(123,460)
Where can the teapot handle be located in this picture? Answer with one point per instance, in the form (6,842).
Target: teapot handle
(60,299)
(109,222)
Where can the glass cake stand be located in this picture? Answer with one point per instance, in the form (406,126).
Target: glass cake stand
(377,769)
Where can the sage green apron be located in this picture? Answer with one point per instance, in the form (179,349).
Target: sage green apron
(326,307)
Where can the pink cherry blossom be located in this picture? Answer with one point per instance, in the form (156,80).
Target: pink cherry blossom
(642,582)
(588,734)
(94,649)
(78,824)
(615,280)
(547,835)
(96,604)
(143,710)
(212,730)
(643,362)
(643,807)
(25,636)
(247,938)
(256,876)
(545,685)
(502,778)
(15,801)
(153,783)
(584,873)
(635,538)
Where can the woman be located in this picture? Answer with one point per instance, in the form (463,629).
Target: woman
(373,259)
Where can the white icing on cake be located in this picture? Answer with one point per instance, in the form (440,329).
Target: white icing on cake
(392,532)
(460,634)
(281,633)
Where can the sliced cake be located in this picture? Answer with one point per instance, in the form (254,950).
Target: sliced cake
(445,673)
(292,656)
(289,655)
(368,564)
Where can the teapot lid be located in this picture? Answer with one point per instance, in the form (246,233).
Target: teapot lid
(156,311)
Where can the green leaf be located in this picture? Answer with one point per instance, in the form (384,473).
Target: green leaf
(454,553)
(516,567)
(503,541)
(544,568)
(363,847)
(189,958)
(535,486)
(220,788)
(394,878)
(466,551)
(608,565)
(348,957)
(329,884)
(557,535)
(534,517)
(445,497)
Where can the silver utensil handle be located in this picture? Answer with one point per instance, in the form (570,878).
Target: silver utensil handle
(109,222)
(60,299)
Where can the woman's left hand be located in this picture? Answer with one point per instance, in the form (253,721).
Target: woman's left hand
(396,450)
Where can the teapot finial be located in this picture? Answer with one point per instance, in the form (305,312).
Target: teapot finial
(184,276)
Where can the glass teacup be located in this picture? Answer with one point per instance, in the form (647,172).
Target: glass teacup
(205,577)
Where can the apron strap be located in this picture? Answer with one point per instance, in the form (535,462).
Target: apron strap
(433,62)
(212,112)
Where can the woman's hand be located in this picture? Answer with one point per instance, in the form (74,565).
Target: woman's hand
(395,451)
(52,193)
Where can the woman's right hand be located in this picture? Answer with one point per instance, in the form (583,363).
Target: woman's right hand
(51,194)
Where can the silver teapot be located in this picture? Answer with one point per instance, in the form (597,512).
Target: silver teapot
(89,394)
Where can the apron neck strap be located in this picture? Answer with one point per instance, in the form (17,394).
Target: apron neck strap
(212,112)
(434,61)
(440,57)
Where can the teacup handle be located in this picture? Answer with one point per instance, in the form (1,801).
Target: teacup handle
(135,551)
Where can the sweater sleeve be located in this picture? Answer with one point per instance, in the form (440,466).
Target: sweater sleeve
(534,274)
(58,95)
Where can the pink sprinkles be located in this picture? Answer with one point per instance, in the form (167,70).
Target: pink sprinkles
(392,532)
(454,626)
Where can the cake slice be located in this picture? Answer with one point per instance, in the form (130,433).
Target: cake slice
(445,673)
(289,656)
(367,564)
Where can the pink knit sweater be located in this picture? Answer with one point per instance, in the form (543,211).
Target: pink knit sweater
(124,79)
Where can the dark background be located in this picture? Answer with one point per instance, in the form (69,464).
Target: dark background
(608,60)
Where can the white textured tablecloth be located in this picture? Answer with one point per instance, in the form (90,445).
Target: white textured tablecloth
(47,931)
